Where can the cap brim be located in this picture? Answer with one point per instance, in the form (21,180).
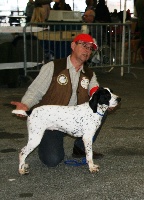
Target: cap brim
(95,46)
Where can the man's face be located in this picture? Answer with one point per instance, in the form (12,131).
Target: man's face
(88,17)
(82,50)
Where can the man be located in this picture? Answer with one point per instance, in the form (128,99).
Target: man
(65,81)
(102,12)
(89,16)
(61,5)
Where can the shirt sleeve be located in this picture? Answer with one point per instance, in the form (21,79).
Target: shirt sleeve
(39,86)
(93,82)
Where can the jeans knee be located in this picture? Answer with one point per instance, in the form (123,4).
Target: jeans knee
(54,161)
(50,150)
(51,160)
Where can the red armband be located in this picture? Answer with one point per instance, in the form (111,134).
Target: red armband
(94,89)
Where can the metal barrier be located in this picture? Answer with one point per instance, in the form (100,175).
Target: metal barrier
(54,41)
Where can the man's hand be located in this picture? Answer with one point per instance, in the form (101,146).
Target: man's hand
(20,106)
(111,108)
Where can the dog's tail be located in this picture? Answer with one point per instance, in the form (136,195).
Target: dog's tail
(22,112)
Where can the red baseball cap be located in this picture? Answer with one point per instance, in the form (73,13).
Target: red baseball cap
(85,38)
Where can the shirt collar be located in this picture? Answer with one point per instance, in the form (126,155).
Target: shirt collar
(70,65)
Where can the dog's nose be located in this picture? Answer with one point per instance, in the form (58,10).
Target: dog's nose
(118,99)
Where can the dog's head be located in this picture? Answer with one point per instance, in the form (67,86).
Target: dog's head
(103,96)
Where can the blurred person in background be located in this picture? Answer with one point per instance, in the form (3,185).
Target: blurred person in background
(114,17)
(45,4)
(139,5)
(47,8)
(38,15)
(102,13)
(61,5)
(90,5)
(29,10)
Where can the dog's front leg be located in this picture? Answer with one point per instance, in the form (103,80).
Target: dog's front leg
(89,153)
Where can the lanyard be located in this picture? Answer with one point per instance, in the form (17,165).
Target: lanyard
(75,163)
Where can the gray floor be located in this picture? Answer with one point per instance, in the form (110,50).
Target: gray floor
(121,175)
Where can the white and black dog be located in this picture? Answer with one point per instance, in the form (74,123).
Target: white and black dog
(78,121)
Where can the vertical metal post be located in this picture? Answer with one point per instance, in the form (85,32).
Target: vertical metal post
(25,52)
(123,39)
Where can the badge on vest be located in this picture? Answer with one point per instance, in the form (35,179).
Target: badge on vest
(85,82)
(62,79)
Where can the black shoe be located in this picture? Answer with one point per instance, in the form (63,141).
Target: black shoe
(79,153)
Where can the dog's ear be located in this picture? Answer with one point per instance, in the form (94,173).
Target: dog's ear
(94,101)
(101,96)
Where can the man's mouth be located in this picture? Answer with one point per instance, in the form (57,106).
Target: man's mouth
(85,55)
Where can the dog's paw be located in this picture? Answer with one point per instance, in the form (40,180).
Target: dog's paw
(94,168)
(24,169)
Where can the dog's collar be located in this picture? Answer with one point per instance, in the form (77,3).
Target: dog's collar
(100,114)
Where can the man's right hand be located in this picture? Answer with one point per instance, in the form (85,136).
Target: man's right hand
(20,106)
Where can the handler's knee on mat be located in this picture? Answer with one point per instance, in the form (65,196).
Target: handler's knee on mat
(51,160)
(51,151)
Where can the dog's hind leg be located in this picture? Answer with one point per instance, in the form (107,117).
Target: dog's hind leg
(33,142)
(89,153)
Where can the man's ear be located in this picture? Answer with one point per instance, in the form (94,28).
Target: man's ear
(73,44)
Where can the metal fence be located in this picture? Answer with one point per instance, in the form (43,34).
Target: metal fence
(53,41)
